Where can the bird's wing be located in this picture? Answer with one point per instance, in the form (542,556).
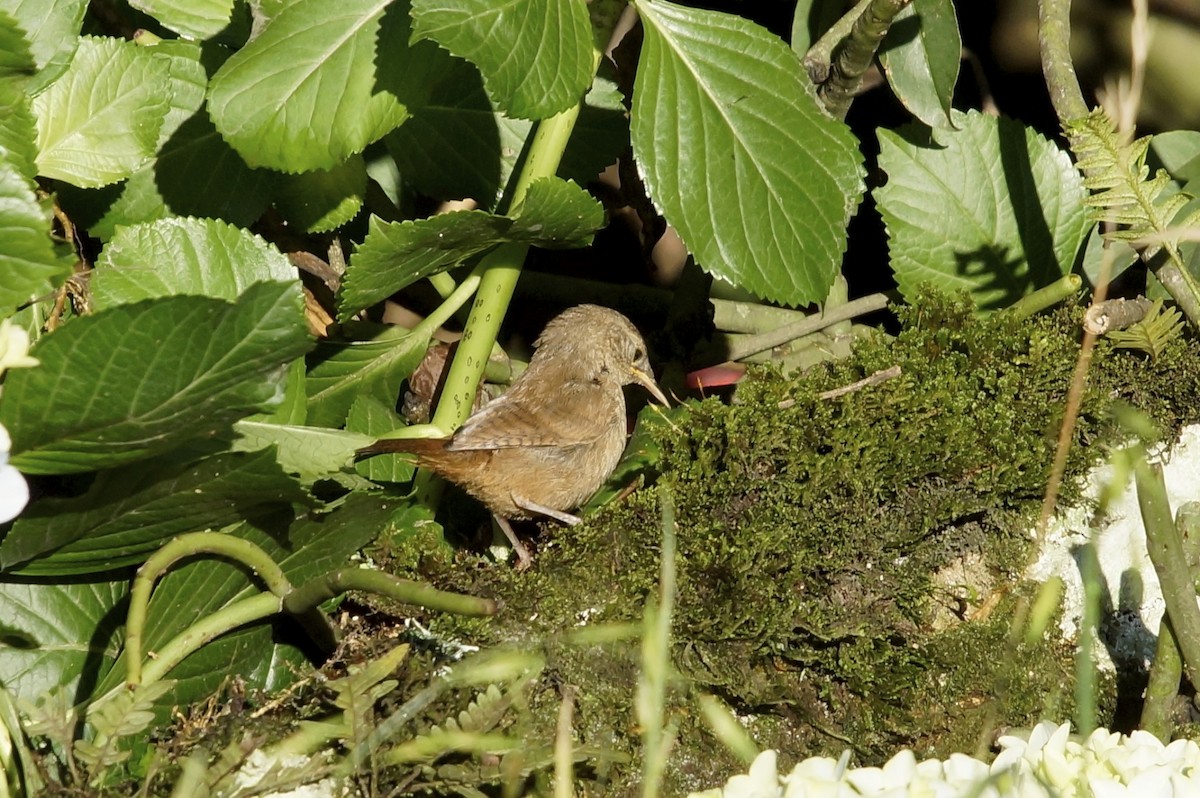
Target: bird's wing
(577,414)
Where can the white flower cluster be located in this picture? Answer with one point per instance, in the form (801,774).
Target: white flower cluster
(14,354)
(1050,764)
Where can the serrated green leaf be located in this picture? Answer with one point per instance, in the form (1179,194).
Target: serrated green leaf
(27,258)
(535,55)
(101,120)
(304,548)
(992,208)
(16,58)
(55,632)
(203,257)
(458,144)
(373,419)
(920,56)
(129,512)
(197,19)
(310,452)
(737,154)
(317,202)
(317,85)
(131,381)
(52,28)
(342,370)
(556,214)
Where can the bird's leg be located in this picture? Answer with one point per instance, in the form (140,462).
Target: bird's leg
(524,560)
(540,509)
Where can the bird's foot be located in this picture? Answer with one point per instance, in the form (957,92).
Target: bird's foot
(524,559)
(541,509)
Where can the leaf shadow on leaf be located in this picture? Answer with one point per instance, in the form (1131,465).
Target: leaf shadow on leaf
(99,652)
(993,273)
(1037,240)
(451,147)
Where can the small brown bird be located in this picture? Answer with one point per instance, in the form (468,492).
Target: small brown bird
(548,443)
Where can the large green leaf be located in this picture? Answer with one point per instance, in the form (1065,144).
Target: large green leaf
(321,82)
(101,120)
(304,549)
(535,55)
(58,635)
(317,202)
(52,28)
(375,419)
(340,371)
(459,144)
(737,154)
(920,56)
(28,262)
(134,380)
(184,256)
(556,214)
(992,208)
(129,512)
(199,19)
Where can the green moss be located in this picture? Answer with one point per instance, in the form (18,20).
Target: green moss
(829,549)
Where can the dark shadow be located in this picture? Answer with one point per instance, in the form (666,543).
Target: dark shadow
(990,269)
(1037,240)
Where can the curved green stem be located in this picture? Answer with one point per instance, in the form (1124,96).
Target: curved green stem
(1054,38)
(404,591)
(236,549)
(1045,297)
(190,640)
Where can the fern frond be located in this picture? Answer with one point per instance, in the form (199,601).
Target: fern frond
(1125,193)
(1152,334)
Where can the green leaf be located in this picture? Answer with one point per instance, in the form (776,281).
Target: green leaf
(197,19)
(196,174)
(52,29)
(811,19)
(1177,151)
(310,452)
(184,256)
(28,261)
(737,154)
(58,634)
(992,208)
(317,85)
(556,214)
(920,56)
(101,120)
(129,512)
(535,55)
(374,419)
(16,59)
(317,202)
(131,381)
(342,370)
(458,144)
(304,548)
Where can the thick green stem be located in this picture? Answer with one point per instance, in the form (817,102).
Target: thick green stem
(1166,552)
(819,57)
(1054,38)
(313,593)
(760,343)
(1048,296)
(1085,661)
(854,55)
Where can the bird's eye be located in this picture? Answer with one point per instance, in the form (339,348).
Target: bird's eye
(638,354)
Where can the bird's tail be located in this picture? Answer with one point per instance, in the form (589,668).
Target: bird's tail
(419,447)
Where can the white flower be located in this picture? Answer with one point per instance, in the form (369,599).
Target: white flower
(14,493)
(1049,764)
(14,347)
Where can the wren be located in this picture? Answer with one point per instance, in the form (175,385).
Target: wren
(550,441)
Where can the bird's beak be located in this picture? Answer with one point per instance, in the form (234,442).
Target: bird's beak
(646,380)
